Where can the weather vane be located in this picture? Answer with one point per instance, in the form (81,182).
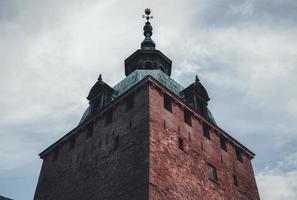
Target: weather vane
(147,12)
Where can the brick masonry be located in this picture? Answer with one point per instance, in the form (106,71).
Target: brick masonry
(182,174)
(93,169)
(148,163)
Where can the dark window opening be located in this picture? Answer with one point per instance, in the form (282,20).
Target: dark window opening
(116,142)
(77,158)
(200,108)
(129,102)
(212,173)
(130,124)
(162,68)
(235,181)
(190,138)
(188,117)
(223,142)
(70,163)
(167,102)
(99,144)
(206,131)
(84,154)
(108,117)
(106,140)
(180,143)
(89,131)
(148,64)
(238,154)
(56,154)
(72,142)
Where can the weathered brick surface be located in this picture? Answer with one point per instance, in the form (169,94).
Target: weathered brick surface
(177,174)
(148,163)
(93,169)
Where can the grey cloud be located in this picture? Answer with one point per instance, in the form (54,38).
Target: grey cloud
(228,13)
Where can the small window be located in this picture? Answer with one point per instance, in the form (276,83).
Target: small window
(223,142)
(206,131)
(238,154)
(116,142)
(212,173)
(72,142)
(168,103)
(235,181)
(56,154)
(129,102)
(99,144)
(130,124)
(188,117)
(106,139)
(180,143)
(89,131)
(108,117)
(77,158)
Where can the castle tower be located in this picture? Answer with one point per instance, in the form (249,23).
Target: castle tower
(147,138)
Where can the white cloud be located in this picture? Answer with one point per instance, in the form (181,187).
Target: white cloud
(274,186)
(279,181)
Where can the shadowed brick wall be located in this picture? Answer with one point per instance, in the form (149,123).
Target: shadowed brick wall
(147,162)
(95,168)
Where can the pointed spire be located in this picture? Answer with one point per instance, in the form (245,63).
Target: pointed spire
(197,79)
(147,43)
(100,78)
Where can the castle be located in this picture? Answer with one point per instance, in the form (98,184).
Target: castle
(147,138)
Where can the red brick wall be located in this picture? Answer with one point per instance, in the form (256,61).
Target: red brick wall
(93,169)
(148,163)
(177,174)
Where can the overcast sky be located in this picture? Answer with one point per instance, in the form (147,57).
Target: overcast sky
(244,52)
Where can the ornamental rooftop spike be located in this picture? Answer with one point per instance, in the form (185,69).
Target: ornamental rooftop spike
(148,57)
(147,43)
(197,79)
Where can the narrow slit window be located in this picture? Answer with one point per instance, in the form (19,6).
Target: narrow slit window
(206,131)
(212,173)
(56,154)
(116,142)
(168,102)
(238,154)
(99,144)
(187,117)
(90,131)
(223,142)
(108,117)
(180,143)
(129,102)
(235,180)
(72,142)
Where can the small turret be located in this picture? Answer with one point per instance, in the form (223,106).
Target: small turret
(99,96)
(196,95)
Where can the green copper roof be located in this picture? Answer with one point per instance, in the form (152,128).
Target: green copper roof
(137,76)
